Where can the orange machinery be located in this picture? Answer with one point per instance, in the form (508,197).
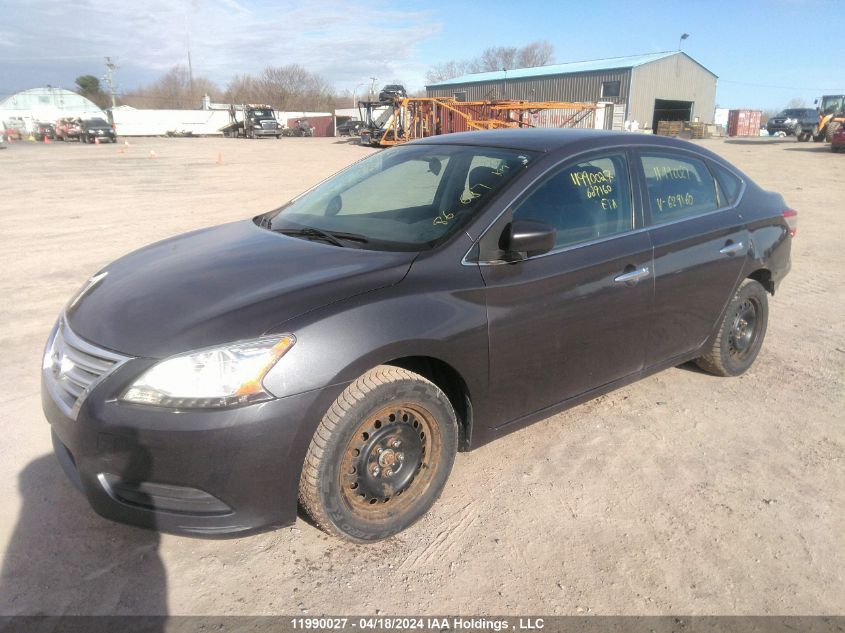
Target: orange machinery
(419,117)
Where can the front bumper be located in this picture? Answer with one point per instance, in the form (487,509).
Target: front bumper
(781,127)
(200,472)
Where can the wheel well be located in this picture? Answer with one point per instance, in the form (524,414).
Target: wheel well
(764,277)
(451,383)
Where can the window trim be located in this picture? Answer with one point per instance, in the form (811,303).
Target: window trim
(635,192)
(646,202)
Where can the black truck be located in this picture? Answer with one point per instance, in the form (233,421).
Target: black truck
(798,122)
(252,121)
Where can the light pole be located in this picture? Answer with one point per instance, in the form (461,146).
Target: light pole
(683,37)
(354,92)
(373,87)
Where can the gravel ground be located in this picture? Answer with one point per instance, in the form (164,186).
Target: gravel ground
(682,493)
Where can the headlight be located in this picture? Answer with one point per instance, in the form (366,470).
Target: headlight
(257,126)
(215,377)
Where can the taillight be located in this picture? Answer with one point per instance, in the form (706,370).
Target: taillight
(791,217)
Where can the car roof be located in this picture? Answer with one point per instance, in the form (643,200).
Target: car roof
(552,139)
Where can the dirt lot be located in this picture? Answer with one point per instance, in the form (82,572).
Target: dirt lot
(683,493)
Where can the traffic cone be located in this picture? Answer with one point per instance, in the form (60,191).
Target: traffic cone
(219,158)
(47,140)
(152,153)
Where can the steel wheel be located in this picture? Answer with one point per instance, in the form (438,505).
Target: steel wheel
(387,457)
(743,330)
(740,334)
(380,456)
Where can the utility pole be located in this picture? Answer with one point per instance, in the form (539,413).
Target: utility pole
(373,87)
(109,77)
(190,67)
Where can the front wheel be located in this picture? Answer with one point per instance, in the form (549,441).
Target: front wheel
(380,457)
(830,131)
(741,333)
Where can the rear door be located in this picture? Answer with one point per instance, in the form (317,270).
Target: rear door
(575,318)
(700,245)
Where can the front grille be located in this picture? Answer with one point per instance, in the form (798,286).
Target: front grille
(72,368)
(268,124)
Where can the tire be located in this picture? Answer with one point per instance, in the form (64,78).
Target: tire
(380,456)
(799,132)
(831,130)
(815,134)
(741,333)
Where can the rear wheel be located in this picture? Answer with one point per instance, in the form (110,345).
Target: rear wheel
(831,130)
(380,456)
(799,133)
(741,333)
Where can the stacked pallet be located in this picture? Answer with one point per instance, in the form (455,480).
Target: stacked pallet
(669,128)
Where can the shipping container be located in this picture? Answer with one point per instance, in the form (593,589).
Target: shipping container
(744,122)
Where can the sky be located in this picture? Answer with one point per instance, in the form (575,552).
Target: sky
(765,53)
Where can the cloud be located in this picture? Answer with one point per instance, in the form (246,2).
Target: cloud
(345,43)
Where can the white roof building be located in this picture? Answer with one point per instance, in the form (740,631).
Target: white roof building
(47,105)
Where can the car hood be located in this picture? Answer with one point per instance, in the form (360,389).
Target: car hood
(222,284)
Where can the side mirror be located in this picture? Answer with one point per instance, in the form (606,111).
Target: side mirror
(527,236)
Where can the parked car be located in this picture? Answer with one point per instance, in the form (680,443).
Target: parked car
(15,128)
(430,298)
(391,92)
(797,122)
(837,141)
(68,128)
(352,127)
(44,130)
(93,130)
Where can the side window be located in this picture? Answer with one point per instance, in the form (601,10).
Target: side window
(678,187)
(730,183)
(584,201)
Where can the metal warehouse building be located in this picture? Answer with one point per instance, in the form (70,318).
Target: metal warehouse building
(668,86)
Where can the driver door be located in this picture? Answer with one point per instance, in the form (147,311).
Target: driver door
(577,317)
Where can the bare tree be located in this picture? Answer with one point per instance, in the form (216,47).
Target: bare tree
(496,58)
(446,70)
(797,102)
(290,87)
(173,90)
(537,53)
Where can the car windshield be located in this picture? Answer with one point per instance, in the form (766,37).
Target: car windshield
(95,123)
(407,198)
(262,114)
(793,113)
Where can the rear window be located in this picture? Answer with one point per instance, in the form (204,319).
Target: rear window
(730,183)
(678,187)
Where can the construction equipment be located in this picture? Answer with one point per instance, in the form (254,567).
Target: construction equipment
(252,120)
(410,118)
(831,116)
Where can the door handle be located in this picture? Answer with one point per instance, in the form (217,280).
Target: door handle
(732,249)
(634,276)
